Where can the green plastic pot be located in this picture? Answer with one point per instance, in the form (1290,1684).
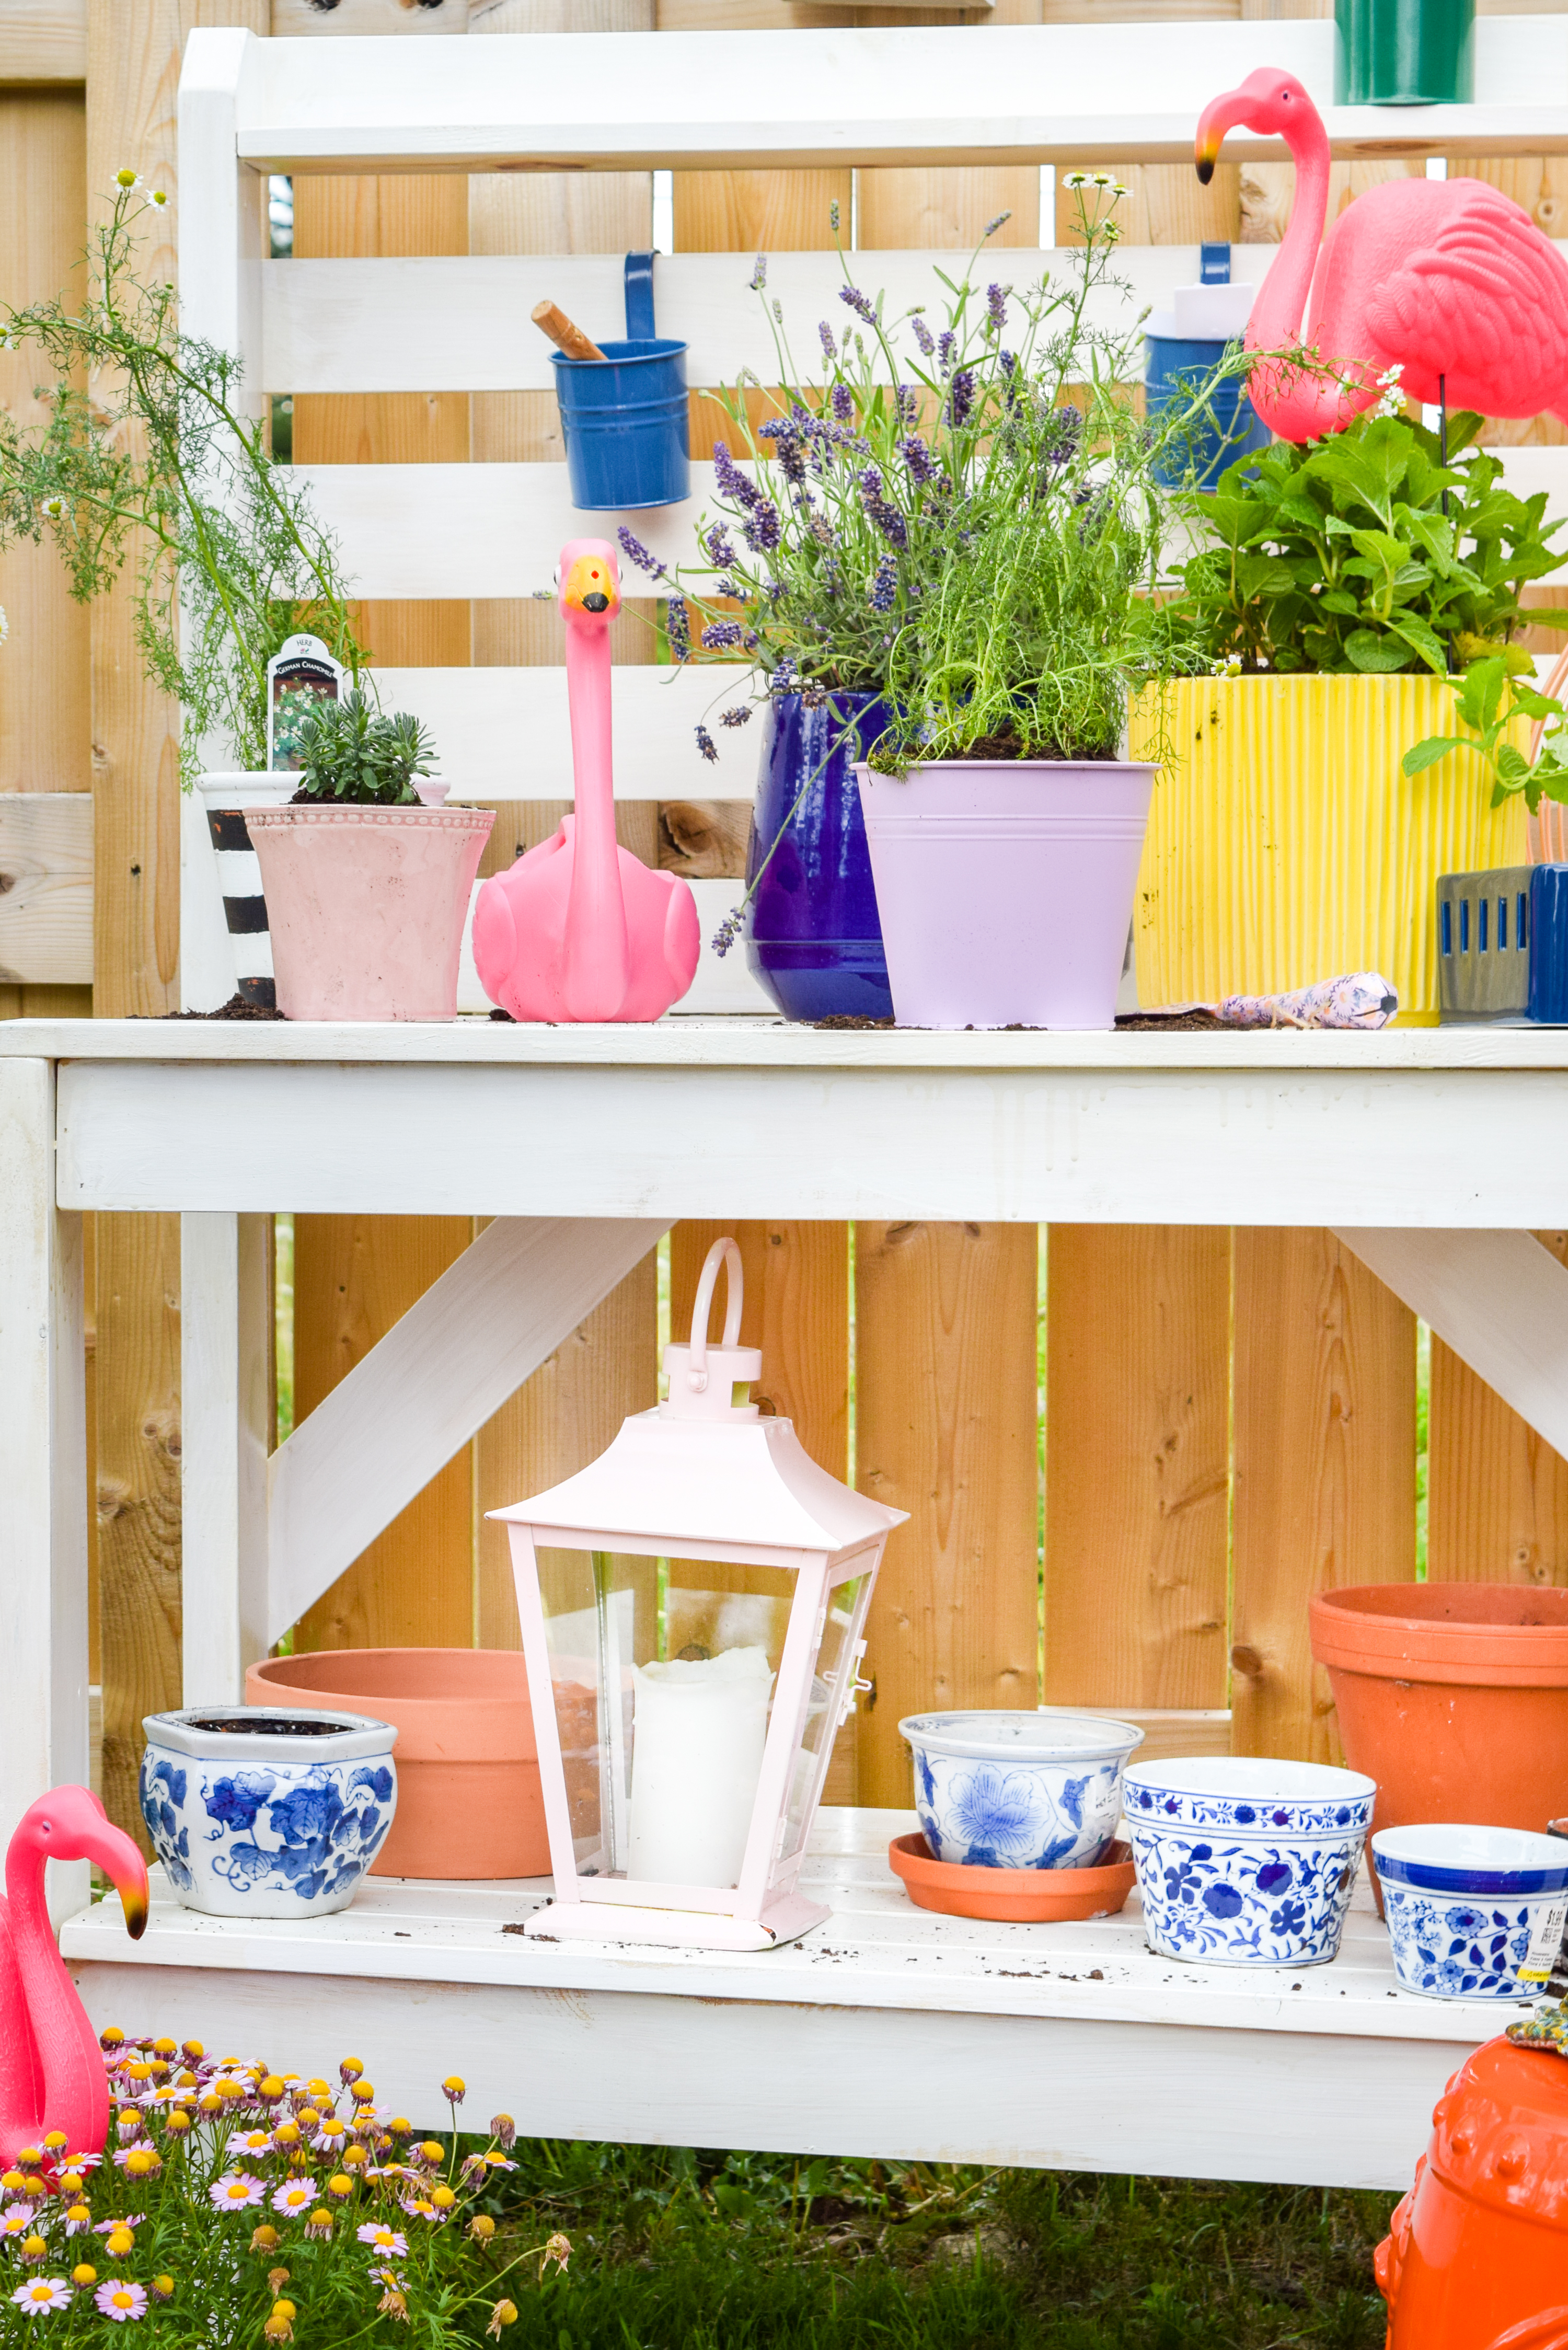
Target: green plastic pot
(1405,52)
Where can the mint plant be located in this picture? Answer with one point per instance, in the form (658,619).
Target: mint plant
(1490,697)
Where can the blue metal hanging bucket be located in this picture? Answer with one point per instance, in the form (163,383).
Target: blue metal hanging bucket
(1177,364)
(624,417)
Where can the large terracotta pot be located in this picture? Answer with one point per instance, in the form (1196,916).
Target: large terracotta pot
(1452,1696)
(366,906)
(1476,2257)
(469,1803)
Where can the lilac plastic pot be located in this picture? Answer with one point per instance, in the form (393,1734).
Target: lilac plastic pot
(1005,887)
(367,907)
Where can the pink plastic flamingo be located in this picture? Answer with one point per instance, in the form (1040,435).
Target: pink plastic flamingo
(580,928)
(1447,279)
(51,2069)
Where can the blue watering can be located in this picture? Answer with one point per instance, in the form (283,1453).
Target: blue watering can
(624,416)
(1185,343)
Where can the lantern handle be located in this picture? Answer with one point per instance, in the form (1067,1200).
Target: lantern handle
(726,1252)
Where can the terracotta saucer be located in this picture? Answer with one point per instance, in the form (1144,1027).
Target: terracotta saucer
(1018,1896)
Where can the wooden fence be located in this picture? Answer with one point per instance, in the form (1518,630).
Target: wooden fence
(1230,1418)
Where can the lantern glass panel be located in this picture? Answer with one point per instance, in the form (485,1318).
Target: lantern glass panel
(834,1670)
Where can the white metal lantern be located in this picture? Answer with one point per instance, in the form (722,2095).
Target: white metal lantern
(693,1608)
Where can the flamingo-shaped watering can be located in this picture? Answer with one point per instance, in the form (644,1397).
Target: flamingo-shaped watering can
(51,2069)
(580,928)
(1448,279)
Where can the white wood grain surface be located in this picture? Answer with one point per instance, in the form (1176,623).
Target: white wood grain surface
(1086,1145)
(886,2031)
(1073,93)
(226,1434)
(43,1469)
(45,888)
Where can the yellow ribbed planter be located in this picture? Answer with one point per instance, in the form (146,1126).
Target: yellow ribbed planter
(1286,844)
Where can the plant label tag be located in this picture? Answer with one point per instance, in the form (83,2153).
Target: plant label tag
(300,673)
(1545,1942)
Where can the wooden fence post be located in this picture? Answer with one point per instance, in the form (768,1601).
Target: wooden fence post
(1497,1494)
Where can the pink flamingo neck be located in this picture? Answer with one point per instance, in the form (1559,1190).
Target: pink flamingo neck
(42,2020)
(1297,405)
(596,969)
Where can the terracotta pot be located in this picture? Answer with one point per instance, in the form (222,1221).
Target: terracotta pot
(1477,2253)
(468,1771)
(1452,1696)
(366,907)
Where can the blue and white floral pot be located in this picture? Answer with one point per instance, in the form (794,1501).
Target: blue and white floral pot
(1019,1790)
(1464,1906)
(1246,1862)
(255,1814)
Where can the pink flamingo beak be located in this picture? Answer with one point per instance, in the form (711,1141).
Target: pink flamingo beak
(71,1824)
(1221,114)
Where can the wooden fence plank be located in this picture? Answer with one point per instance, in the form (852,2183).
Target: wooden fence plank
(353,1276)
(796,1311)
(133,63)
(1497,1507)
(945,1428)
(1324,1468)
(1138,1465)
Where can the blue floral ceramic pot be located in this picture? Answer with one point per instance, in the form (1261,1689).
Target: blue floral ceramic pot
(1246,1862)
(255,1814)
(1473,1912)
(1019,1790)
(813,937)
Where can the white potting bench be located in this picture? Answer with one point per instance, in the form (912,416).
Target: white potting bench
(887,2030)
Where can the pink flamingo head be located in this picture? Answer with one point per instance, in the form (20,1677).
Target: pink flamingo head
(589,584)
(71,1824)
(1269,101)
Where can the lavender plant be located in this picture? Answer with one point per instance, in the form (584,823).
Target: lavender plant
(964,518)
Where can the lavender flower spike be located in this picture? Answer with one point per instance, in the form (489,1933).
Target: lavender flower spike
(829,348)
(833,215)
(1000,222)
(677,627)
(706,744)
(739,713)
(879,511)
(922,465)
(759,277)
(718,547)
(860,303)
(961,399)
(924,336)
(723,637)
(639,555)
(883,585)
(996,306)
(729,479)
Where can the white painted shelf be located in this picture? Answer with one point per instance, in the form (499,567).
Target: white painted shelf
(967,2028)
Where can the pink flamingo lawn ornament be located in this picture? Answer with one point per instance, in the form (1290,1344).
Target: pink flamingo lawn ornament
(579,928)
(51,2068)
(1445,278)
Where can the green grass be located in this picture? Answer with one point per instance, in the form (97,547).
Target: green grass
(680,2251)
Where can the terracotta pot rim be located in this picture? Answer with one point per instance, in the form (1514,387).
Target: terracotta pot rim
(453,1728)
(1419,1646)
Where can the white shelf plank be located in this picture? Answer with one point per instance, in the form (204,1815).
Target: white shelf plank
(942,2015)
(463,323)
(990,94)
(506,734)
(479,530)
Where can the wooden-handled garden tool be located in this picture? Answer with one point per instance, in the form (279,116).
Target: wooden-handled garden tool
(566,337)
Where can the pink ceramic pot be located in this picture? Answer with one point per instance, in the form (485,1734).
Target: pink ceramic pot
(1005,887)
(366,907)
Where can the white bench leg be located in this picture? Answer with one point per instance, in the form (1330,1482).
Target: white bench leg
(1498,1298)
(43,1471)
(225,1361)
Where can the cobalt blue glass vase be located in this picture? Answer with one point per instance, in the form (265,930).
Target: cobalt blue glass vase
(813,937)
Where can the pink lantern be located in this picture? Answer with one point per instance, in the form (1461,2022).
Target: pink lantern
(693,1608)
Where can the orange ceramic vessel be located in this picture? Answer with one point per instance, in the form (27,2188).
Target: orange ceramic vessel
(1452,1696)
(1477,2254)
(469,1802)
(1022,1897)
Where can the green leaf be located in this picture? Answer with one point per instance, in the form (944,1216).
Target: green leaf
(1423,640)
(1428,754)
(1512,763)
(1375,655)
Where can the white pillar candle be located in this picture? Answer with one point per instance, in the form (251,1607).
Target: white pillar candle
(698,1728)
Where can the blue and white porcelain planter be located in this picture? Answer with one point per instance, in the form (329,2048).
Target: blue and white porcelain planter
(1019,1790)
(258,1814)
(1246,1862)
(1473,1912)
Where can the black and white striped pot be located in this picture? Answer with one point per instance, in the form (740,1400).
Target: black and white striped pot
(226,797)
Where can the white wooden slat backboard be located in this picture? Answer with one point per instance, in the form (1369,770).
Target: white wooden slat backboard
(463,325)
(917,95)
